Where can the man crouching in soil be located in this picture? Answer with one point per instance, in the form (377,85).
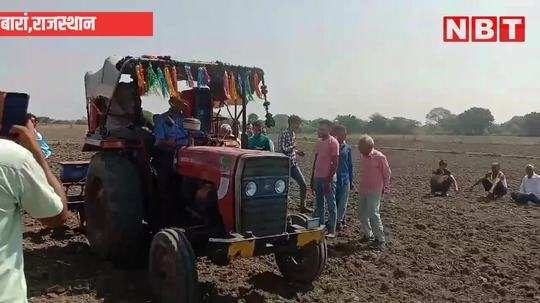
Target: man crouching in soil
(26,183)
(494,183)
(374,183)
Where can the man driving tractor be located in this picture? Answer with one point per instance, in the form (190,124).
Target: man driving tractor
(170,134)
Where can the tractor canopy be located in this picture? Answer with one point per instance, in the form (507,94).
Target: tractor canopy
(209,86)
(103,82)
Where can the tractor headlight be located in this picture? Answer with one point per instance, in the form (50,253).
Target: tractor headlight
(251,188)
(280,186)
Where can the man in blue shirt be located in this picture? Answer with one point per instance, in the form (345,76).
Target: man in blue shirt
(47,151)
(344,174)
(170,135)
(168,127)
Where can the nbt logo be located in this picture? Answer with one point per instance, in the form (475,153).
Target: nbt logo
(483,29)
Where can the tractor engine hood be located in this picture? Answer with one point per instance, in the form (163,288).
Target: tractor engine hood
(209,163)
(218,165)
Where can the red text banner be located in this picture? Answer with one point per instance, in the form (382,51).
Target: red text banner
(76,24)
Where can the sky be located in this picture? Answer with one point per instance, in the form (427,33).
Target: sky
(321,58)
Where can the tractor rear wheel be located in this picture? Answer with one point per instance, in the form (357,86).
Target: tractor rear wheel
(305,264)
(114,210)
(172,268)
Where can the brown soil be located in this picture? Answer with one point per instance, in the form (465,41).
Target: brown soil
(454,249)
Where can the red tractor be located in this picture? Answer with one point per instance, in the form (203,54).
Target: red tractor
(230,202)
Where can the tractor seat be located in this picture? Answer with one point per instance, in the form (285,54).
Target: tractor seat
(73,171)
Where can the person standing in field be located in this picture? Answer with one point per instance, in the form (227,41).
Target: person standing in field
(287,145)
(494,182)
(344,174)
(374,183)
(323,178)
(529,190)
(259,141)
(27,184)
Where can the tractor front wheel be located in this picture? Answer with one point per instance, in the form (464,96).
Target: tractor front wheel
(305,264)
(172,268)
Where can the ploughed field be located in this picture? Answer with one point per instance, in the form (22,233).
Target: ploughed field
(454,249)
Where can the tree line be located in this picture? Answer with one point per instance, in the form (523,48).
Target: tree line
(439,121)
(48,120)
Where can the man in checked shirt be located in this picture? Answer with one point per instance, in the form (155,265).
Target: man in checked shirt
(287,146)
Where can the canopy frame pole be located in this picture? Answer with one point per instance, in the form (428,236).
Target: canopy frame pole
(244,122)
(235,121)
(216,120)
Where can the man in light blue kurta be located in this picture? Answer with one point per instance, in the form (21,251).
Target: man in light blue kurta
(25,185)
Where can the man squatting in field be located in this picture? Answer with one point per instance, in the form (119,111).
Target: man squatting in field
(323,177)
(494,182)
(287,145)
(442,179)
(374,183)
(529,190)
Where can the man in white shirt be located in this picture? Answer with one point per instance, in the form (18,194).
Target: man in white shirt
(529,190)
(26,183)
(494,182)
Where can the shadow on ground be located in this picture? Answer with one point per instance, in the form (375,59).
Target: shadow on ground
(268,282)
(72,270)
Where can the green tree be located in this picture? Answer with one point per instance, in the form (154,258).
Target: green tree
(282,122)
(513,127)
(475,121)
(531,124)
(310,126)
(353,124)
(436,115)
(401,126)
(450,124)
(377,124)
(45,120)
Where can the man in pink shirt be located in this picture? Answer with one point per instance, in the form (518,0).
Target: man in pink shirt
(374,182)
(323,178)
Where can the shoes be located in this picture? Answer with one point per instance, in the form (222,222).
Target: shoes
(306,210)
(379,245)
(340,226)
(331,235)
(439,194)
(367,239)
